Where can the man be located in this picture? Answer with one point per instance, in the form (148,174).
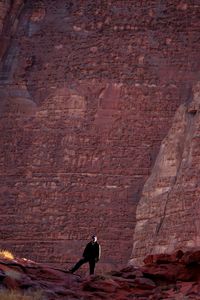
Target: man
(91,255)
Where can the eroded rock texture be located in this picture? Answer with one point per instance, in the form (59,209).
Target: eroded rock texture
(9,18)
(168,211)
(169,276)
(88,92)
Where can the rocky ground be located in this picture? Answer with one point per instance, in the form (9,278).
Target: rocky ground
(163,276)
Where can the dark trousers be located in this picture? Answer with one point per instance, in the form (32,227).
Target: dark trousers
(83,261)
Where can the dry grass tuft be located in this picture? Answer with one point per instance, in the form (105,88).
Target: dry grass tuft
(15,295)
(5,254)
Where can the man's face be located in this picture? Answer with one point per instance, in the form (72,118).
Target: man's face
(94,239)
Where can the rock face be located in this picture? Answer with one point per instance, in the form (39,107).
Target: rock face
(169,276)
(88,92)
(168,211)
(9,17)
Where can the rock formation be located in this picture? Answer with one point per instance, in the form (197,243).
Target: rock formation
(9,18)
(88,92)
(168,277)
(168,211)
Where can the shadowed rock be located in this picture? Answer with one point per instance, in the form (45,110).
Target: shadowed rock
(163,276)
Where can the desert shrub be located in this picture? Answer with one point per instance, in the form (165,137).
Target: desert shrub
(5,254)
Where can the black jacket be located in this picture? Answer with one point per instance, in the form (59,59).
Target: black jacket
(92,251)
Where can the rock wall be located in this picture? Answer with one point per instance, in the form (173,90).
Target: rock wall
(88,92)
(4,8)
(168,211)
(9,17)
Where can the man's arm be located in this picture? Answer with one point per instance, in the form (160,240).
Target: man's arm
(85,251)
(98,253)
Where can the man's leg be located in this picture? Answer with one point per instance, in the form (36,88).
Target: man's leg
(78,265)
(92,266)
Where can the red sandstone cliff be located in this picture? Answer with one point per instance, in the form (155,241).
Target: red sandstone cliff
(88,92)
(168,211)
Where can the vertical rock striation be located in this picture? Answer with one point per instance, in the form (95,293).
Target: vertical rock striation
(168,211)
(9,18)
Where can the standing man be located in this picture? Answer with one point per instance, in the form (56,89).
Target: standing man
(91,255)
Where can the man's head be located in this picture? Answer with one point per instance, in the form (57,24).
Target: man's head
(94,238)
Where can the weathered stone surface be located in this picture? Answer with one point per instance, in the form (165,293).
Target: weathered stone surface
(164,258)
(9,18)
(171,280)
(168,211)
(4,8)
(89,89)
